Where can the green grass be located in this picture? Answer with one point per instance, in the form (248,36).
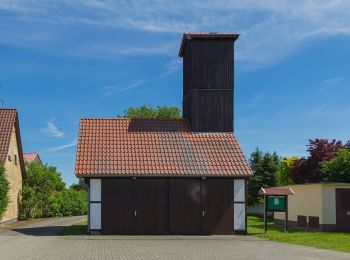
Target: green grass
(74,230)
(324,240)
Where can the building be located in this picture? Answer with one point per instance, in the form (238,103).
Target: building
(185,176)
(12,158)
(32,157)
(318,207)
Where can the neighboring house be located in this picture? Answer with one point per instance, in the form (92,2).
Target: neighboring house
(318,207)
(185,176)
(12,157)
(32,157)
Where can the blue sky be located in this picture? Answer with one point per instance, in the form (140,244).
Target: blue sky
(63,60)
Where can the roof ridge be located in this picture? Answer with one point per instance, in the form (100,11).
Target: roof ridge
(151,119)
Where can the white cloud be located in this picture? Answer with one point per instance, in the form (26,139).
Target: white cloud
(52,130)
(331,82)
(171,67)
(62,147)
(270,29)
(259,97)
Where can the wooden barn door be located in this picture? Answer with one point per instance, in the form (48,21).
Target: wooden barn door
(343,210)
(185,206)
(117,206)
(217,204)
(151,206)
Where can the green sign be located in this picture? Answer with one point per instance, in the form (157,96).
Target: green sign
(275,203)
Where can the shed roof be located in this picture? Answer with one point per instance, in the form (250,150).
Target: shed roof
(152,147)
(276,191)
(205,35)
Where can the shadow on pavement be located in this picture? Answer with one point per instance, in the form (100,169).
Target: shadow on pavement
(40,231)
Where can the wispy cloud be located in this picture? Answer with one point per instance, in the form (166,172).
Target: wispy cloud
(259,97)
(171,67)
(52,130)
(270,29)
(331,82)
(62,147)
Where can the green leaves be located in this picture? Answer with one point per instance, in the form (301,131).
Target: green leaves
(338,168)
(4,188)
(44,194)
(149,112)
(265,167)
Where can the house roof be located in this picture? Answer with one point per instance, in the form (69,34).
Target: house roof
(276,191)
(152,147)
(205,35)
(8,120)
(31,157)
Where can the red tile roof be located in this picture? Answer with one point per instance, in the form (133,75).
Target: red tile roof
(155,147)
(276,191)
(31,157)
(205,35)
(8,120)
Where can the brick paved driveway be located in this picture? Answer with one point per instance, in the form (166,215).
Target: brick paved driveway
(40,241)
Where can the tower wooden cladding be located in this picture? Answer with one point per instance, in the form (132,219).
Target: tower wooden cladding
(208,81)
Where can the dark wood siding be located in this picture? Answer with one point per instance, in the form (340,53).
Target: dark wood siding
(208,85)
(151,205)
(185,206)
(117,206)
(217,206)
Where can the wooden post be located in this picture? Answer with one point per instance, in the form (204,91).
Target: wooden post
(265,213)
(286,219)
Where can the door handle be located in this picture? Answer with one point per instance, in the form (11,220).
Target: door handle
(135,213)
(203,213)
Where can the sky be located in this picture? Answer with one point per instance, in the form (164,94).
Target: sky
(63,60)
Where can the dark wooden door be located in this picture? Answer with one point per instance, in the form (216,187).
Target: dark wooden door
(117,206)
(343,210)
(151,206)
(185,206)
(217,204)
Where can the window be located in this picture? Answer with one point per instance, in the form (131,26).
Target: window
(9,157)
(314,222)
(15,159)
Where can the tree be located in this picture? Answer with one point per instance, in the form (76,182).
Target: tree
(149,112)
(308,170)
(283,176)
(44,194)
(265,167)
(4,189)
(338,168)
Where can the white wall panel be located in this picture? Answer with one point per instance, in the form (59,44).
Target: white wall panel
(95,190)
(239,216)
(95,215)
(239,190)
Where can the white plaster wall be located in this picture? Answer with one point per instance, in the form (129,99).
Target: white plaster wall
(239,191)
(95,215)
(239,216)
(95,190)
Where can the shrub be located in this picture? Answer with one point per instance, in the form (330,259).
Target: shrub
(4,188)
(68,202)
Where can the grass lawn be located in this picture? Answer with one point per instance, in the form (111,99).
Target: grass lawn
(74,230)
(325,240)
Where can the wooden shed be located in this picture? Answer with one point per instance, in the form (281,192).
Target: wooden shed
(185,176)
(318,207)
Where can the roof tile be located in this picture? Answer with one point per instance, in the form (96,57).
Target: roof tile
(155,147)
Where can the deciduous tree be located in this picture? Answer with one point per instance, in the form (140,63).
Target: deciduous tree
(149,112)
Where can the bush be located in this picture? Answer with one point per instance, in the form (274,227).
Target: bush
(4,188)
(44,195)
(69,202)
